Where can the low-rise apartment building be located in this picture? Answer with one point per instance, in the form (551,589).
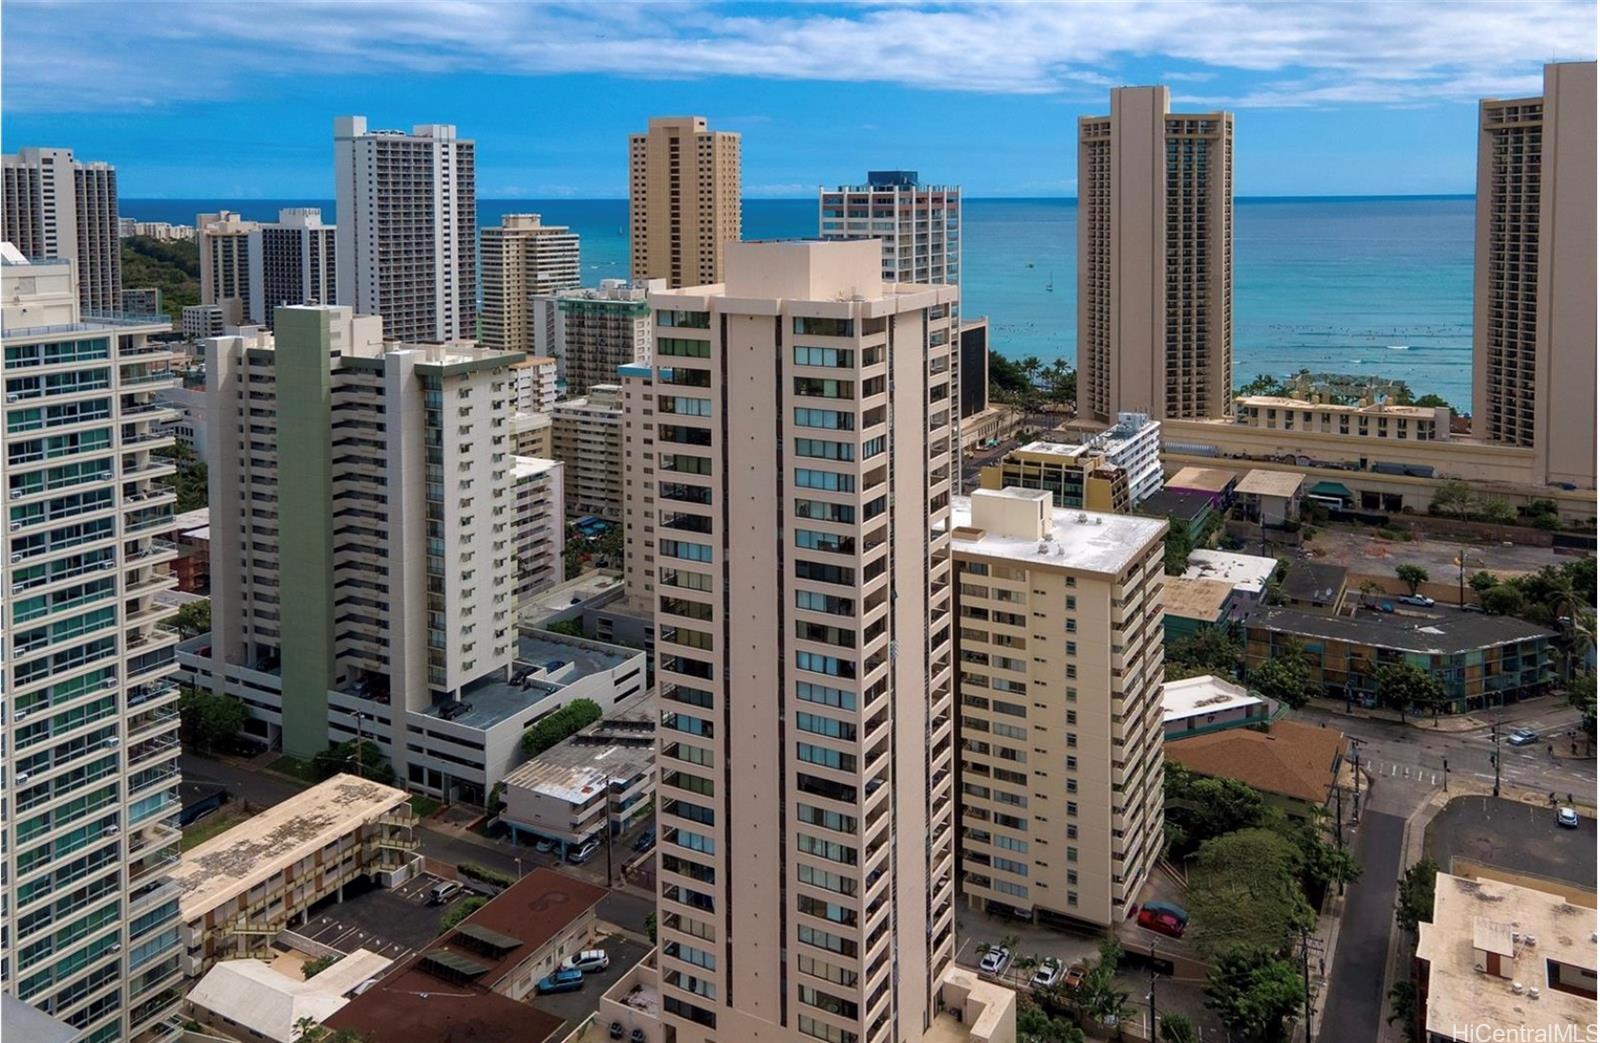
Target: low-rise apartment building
(1481,660)
(1363,420)
(1205,704)
(602,776)
(1248,574)
(1296,767)
(1114,470)
(1060,706)
(239,889)
(587,436)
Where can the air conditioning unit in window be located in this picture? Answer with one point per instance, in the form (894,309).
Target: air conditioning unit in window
(110,682)
(22,778)
(17,556)
(20,715)
(112,743)
(17,494)
(13,397)
(110,831)
(15,526)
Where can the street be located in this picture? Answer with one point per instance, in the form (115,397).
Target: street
(1355,1007)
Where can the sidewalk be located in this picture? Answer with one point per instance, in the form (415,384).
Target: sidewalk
(1447,723)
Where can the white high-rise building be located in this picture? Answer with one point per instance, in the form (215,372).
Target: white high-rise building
(291,262)
(51,205)
(90,779)
(919,225)
(408,228)
(523,258)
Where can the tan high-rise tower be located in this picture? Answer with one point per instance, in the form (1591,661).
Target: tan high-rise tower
(1155,260)
(683,200)
(1533,322)
(801,592)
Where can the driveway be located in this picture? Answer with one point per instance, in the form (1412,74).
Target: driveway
(1356,1007)
(576,1006)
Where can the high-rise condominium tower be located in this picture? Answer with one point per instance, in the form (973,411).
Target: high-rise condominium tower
(91,772)
(408,228)
(1533,324)
(522,259)
(1060,647)
(1155,260)
(920,225)
(683,200)
(224,243)
(51,205)
(804,427)
(291,262)
(592,332)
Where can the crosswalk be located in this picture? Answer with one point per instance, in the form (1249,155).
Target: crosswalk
(1412,773)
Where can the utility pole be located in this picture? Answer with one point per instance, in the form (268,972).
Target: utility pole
(1356,811)
(1338,822)
(1494,757)
(1461,600)
(1154,1028)
(609,877)
(1305,973)
(1446,773)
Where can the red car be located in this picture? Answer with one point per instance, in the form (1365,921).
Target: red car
(1161,922)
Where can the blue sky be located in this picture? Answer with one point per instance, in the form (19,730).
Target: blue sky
(236,99)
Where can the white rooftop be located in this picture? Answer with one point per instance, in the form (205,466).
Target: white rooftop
(259,848)
(531,466)
(1203,694)
(268,1002)
(1247,572)
(1088,541)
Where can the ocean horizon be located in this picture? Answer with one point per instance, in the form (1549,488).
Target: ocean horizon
(1378,285)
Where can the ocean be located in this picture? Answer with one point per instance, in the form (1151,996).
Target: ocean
(1378,285)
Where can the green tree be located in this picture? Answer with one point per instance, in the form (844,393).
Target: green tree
(205,718)
(1321,860)
(568,627)
(1454,498)
(1413,576)
(1034,1025)
(1177,1028)
(1581,695)
(1403,1008)
(1210,650)
(1502,599)
(193,618)
(1262,384)
(1496,510)
(1254,995)
(1180,544)
(1201,808)
(1481,581)
(1432,401)
(312,968)
(650,926)
(1403,686)
(306,1030)
(553,727)
(1286,677)
(460,911)
(1097,997)
(1245,894)
(1414,895)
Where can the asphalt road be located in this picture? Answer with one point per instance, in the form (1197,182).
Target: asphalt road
(1356,1007)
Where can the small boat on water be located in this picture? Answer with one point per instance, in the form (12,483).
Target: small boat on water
(1050,286)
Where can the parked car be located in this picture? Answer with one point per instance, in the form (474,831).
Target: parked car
(1419,600)
(1522,737)
(1048,974)
(1177,911)
(544,845)
(1161,922)
(442,892)
(561,981)
(645,841)
(995,960)
(579,855)
(1074,976)
(1567,818)
(588,961)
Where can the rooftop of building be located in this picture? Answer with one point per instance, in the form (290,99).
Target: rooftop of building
(1214,480)
(531,466)
(1288,759)
(1245,571)
(188,521)
(546,663)
(1202,599)
(445,991)
(1262,482)
(1524,926)
(586,590)
(1088,541)
(259,848)
(1367,409)
(1448,633)
(1318,582)
(578,767)
(1183,504)
(259,996)
(1203,694)
(18,1020)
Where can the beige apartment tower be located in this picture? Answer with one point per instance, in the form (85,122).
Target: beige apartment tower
(1533,323)
(1060,646)
(1155,260)
(523,258)
(683,200)
(803,621)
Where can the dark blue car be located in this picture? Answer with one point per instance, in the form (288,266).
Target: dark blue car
(561,981)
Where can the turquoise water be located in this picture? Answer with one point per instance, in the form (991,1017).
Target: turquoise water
(1367,285)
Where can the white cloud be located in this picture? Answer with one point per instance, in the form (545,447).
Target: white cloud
(72,56)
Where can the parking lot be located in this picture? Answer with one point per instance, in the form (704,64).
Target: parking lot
(1517,837)
(576,1006)
(394,923)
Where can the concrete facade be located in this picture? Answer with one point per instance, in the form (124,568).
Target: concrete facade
(407,237)
(292,261)
(593,332)
(1155,260)
(90,777)
(223,239)
(1534,279)
(538,525)
(919,225)
(586,435)
(1114,470)
(523,259)
(53,205)
(683,200)
(1060,679)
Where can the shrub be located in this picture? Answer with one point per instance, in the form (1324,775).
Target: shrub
(461,910)
(485,874)
(552,728)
